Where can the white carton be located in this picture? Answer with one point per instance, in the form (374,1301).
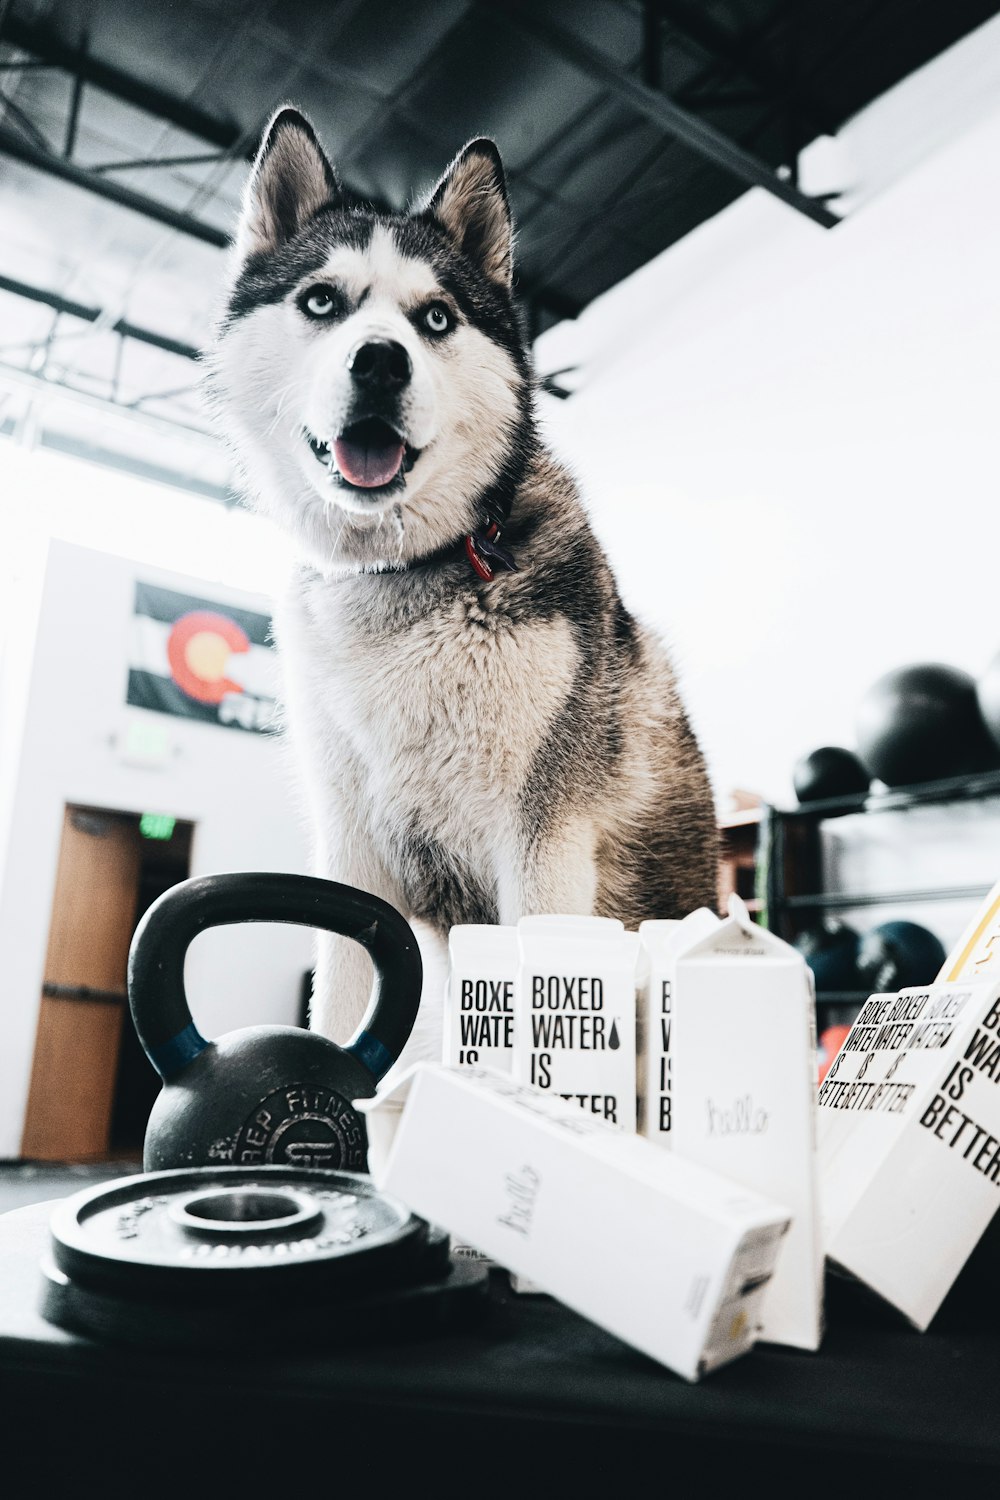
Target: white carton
(575,1008)
(669,1257)
(744,1095)
(661,941)
(561,923)
(479,997)
(912,1179)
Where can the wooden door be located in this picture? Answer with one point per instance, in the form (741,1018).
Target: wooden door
(83,1001)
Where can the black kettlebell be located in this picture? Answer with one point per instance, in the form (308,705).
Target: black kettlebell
(267,1095)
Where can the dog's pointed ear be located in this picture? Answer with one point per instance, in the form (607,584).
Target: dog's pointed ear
(291,180)
(471,203)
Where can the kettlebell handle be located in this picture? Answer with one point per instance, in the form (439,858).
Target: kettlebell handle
(156,958)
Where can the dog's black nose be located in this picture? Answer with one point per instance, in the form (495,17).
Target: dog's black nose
(381,365)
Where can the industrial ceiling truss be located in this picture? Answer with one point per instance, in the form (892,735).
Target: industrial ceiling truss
(676,122)
(23,141)
(125,133)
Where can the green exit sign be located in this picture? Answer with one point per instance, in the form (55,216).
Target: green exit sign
(157,826)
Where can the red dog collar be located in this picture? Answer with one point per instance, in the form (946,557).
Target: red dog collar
(485,554)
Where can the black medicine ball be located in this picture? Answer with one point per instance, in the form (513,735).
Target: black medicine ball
(829,771)
(895,955)
(830,948)
(923,723)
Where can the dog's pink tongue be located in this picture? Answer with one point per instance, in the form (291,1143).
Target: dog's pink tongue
(368,464)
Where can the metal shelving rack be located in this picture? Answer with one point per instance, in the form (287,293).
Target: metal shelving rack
(789,860)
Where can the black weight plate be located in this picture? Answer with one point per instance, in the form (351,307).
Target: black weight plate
(210,1233)
(454,1300)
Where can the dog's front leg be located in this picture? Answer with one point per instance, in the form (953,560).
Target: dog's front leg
(344,974)
(556,872)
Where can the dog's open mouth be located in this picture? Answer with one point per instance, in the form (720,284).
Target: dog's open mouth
(369,454)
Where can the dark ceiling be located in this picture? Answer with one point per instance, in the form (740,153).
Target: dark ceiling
(125,128)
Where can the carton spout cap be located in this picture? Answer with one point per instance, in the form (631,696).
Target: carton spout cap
(738,913)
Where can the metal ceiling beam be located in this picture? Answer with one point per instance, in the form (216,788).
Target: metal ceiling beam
(115,192)
(678,123)
(229,137)
(14,375)
(13,145)
(696,26)
(194,122)
(93,314)
(42,44)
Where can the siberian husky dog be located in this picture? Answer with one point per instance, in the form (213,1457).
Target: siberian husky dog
(482,728)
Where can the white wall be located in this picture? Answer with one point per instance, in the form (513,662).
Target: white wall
(231,784)
(789,437)
(45,494)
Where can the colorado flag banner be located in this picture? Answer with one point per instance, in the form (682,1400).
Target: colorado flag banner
(201,660)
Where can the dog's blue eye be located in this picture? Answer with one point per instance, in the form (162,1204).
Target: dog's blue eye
(437,318)
(319,301)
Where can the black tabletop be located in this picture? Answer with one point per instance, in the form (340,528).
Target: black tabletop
(531,1397)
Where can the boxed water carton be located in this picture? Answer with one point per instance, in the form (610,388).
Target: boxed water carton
(660,942)
(479,998)
(575,1009)
(910,1149)
(744,1094)
(564,923)
(666,1255)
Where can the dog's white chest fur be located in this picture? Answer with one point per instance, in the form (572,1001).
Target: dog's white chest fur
(433,715)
